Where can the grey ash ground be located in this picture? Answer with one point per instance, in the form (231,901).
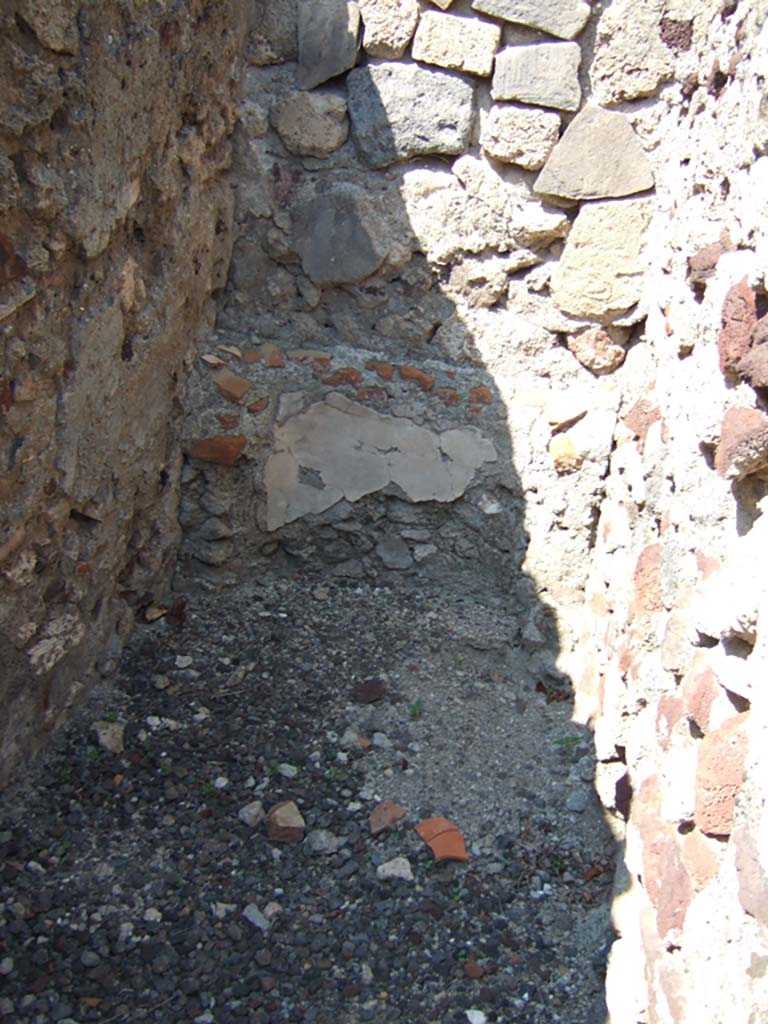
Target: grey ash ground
(125,876)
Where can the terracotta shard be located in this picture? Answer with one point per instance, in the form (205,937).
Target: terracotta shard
(224,449)
(384,815)
(443,838)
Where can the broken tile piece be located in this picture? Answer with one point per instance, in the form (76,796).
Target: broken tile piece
(384,815)
(443,838)
(231,386)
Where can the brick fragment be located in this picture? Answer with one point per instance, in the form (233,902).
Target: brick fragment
(425,380)
(449,395)
(385,370)
(223,449)
(481,395)
(231,386)
(344,375)
(258,406)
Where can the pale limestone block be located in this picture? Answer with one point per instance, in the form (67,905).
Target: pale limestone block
(520,135)
(630,59)
(388,26)
(599,274)
(562,18)
(598,157)
(546,74)
(459,44)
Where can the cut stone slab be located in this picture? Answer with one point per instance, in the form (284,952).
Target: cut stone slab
(311,123)
(520,135)
(457,43)
(328,31)
(341,449)
(598,157)
(388,26)
(562,18)
(334,234)
(285,823)
(400,111)
(546,74)
(600,271)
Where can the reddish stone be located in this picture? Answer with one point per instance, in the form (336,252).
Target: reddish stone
(267,353)
(675,892)
(374,394)
(228,420)
(369,691)
(754,366)
(654,836)
(647,597)
(231,386)
(743,447)
(449,395)
(285,823)
(481,395)
(700,857)
(384,815)
(702,265)
(223,449)
(640,418)
(258,406)
(344,375)
(706,564)
(738,319)
(719,775)
(385,370)
(669,711)
(424,380)
(474,970)
(700,691)
(317,359)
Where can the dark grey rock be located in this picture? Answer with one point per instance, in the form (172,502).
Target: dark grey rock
(334,234)
(400,111)
(328,40)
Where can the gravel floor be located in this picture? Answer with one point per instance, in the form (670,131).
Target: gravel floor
(132,890)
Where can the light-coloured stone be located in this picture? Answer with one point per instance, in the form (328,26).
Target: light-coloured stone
(600,272)
(340,449)
(520,135)
(546,74)
(461,44)
(399,868)
(252,814)
(389,26)
(311,123)
(400,111)
(630,58)
(598,349)
(111,736)
(328,31)
(598,157)
(562,18)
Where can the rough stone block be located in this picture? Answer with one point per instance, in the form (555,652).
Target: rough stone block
(598,349)
(601,268)
(598,157)
(520,135)
(631,60)
(719,775)
(701,857)
(562,18)
(400,111)
(460,44)
(311,123)
(388,26)
(706,703)
(546,74)
(743,447)
(328,31)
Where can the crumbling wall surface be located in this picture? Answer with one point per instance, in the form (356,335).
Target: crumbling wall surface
(674,650)
(115,231)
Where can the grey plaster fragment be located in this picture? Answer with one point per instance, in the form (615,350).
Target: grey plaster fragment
(340,449)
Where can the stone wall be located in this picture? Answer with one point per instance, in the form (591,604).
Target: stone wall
(115,231)
(496,308)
